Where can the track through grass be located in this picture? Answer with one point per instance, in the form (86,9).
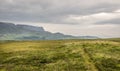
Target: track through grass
(89,63)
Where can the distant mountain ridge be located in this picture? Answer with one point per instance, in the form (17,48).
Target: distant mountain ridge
(10,31)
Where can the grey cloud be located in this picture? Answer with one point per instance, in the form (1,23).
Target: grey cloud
(113,21)
(52,11)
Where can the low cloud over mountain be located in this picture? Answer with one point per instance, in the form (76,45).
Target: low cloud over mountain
(52,13)
(9,31)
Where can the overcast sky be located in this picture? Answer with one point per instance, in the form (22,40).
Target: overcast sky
(76,17)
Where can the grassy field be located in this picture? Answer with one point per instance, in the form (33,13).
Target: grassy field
(60,55)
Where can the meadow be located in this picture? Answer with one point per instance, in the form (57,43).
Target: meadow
(60,55)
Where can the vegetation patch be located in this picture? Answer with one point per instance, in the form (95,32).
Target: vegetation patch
(60,55)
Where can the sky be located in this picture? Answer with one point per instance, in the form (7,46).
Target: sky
(74,17)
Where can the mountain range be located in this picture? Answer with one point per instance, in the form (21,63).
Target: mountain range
(10,31)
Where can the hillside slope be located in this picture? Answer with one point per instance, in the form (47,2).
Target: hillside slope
(10,31)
